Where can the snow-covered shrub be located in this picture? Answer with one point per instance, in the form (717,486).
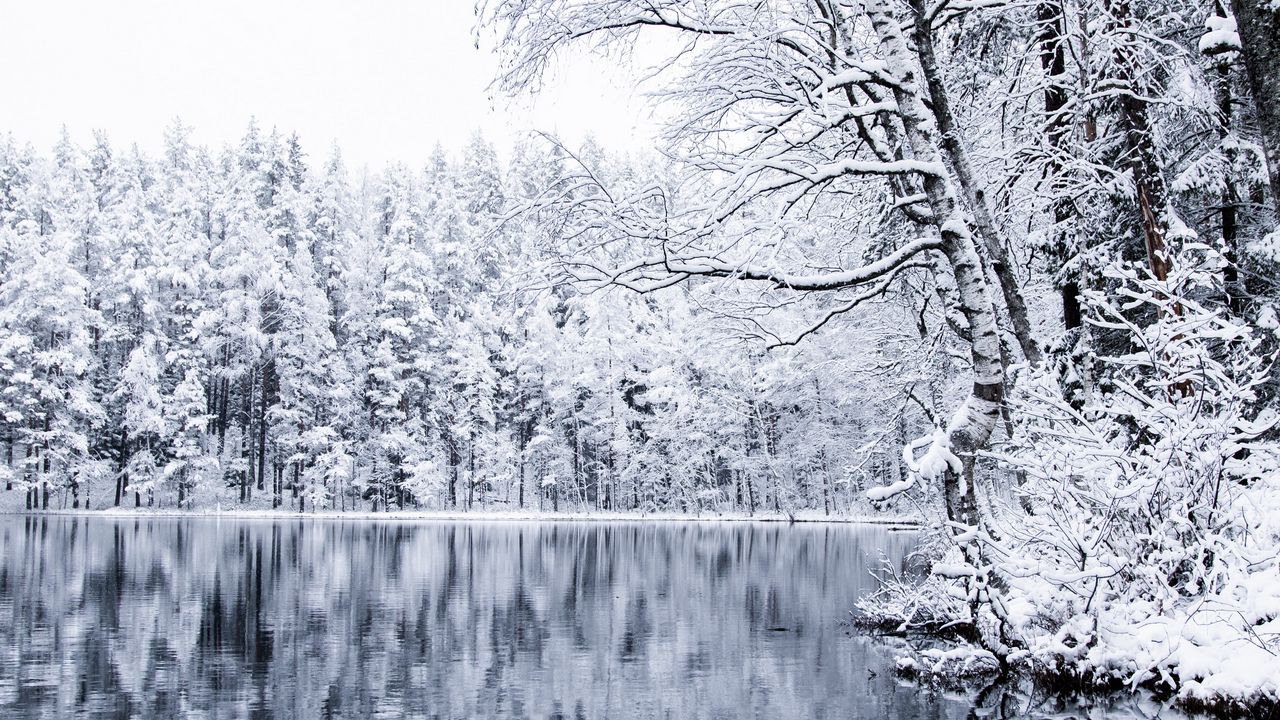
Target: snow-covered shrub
(905,602)
(1149,550)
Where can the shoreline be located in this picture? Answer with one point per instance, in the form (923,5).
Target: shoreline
(463,516)
(1064,682)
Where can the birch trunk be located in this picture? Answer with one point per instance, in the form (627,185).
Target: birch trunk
(957,157)
(971,427)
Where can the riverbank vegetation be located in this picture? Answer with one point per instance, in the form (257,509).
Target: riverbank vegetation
(1079,191)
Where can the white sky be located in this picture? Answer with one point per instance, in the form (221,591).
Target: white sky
(386,79)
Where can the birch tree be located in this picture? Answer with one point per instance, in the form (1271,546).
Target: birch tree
(785,107)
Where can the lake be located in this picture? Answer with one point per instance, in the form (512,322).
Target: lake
(156,617)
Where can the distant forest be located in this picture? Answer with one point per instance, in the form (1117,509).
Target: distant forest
(252,327)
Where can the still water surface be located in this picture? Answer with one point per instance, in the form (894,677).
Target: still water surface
(217,618)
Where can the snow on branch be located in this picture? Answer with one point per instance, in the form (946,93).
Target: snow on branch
(879,289)
(935,462)
(714,267)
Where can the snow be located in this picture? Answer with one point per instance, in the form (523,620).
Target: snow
(960,661)
(938,459)
(235,513)
(953,570)
(879,494)
(935,463)
(1221,37)
(1267,320)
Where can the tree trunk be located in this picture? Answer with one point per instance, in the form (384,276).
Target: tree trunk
(1235,291)
(247,438)
(971,427)
(122,479)
(1051,37)
(268,376)
(1143,158)
(957,157)
(8,459)
(1258,22)
(454,461)
(522,440)
(471,471)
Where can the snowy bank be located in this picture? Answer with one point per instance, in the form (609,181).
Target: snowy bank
(477,516)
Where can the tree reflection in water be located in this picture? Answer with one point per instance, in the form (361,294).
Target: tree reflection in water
(216,618)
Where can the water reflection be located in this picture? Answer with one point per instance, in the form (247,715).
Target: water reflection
(208,618)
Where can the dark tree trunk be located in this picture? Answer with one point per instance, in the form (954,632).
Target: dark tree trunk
(8,458)
(454,461)
(1051,37)
(122,479)
(247,437)
(523,445)
(1143,158)
(268,390)
(1258,22)
(1235,292)
(471,471)
(223,410)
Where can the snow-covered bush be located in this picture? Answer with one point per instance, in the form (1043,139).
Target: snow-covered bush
(906,601)
(1149,549)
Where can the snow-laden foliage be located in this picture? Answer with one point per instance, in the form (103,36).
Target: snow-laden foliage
(994,161)
(912,600)
(1148,550)
(203,331)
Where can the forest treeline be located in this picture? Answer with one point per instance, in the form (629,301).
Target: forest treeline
(203,329)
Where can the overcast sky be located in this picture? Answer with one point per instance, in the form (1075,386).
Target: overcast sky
(386,79)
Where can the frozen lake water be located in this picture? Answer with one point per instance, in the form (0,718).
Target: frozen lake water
(217,618)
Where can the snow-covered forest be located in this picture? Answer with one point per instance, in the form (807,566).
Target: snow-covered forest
(1009,267)
(253,326)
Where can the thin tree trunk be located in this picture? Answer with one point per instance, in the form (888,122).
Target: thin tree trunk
(1143,159)
(454,461)
(1051,36)
(268,371)
(247,438)
(122,478)
(521,463)
(471,471)
(26,472)
(957,157)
